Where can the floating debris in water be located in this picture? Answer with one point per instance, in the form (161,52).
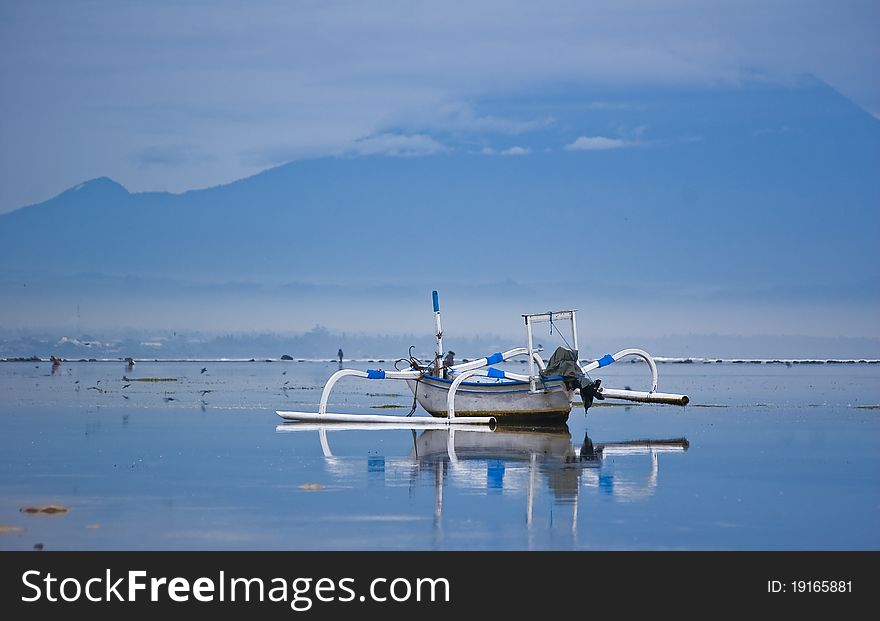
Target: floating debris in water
(385,406)
(311,487)
(47,509)
(93,526)
(149,379)
(10,530)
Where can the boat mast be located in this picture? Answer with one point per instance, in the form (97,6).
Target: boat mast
(438,332)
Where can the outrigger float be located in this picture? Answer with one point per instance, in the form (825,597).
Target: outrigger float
(476,393)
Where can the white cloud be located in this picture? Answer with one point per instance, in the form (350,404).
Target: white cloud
(515,150)
(597,143)
(397,145)
(460,118)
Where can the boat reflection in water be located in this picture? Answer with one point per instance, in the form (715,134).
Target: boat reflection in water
(505,460)
(495,461)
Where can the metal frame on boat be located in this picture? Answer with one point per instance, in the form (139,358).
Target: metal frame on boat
(475,392)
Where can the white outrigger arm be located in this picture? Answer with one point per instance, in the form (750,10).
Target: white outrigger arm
(477,367)
(464,369)
(651,396)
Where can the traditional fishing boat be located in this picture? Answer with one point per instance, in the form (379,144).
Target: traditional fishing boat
(475,392)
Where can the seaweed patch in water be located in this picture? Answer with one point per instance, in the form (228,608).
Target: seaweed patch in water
(47,509)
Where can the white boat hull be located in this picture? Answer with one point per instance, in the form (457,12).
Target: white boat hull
(503,400)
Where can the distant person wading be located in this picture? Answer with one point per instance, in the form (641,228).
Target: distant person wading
(339,355)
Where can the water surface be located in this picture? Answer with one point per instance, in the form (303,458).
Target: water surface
(776,457)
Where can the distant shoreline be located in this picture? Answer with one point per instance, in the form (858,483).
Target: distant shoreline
(657,359)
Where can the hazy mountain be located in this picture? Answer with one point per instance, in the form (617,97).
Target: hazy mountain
(747,200)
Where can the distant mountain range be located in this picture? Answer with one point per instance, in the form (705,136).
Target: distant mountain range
(688,200)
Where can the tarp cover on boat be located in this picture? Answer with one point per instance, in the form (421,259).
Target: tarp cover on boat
(564,362)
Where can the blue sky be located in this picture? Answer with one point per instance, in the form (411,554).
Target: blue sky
(180,95)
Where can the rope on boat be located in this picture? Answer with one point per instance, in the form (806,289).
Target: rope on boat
(416,365)
(559,332)
(415,393)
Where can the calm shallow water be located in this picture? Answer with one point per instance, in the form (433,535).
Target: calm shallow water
(778,458)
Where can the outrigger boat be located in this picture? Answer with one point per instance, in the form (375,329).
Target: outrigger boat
(476,392)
